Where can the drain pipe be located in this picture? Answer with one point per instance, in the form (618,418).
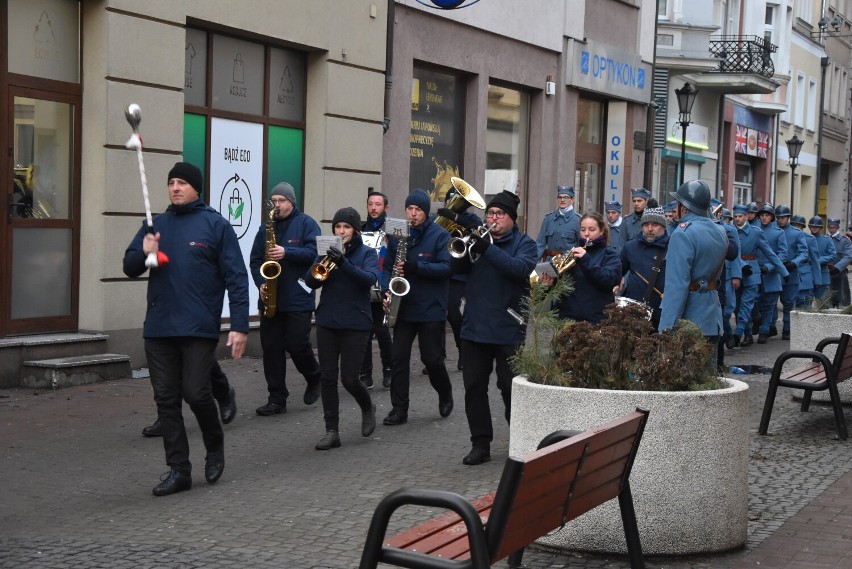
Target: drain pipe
(388,65)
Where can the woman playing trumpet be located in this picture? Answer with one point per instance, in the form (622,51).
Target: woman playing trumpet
(344,321)
(597,272)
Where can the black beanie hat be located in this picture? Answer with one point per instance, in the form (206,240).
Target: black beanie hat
(419,198)
(507,201)
(347,215)
(190,174)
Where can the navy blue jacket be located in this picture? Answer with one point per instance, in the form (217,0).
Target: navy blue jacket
(345,299)
(595,275)
(298,235)
(185,295)
(497,281)
(430,284)
(639,256)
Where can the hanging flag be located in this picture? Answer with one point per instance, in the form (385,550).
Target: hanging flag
(763,144)
(741,141)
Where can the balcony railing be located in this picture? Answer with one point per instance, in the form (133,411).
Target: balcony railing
(744,54)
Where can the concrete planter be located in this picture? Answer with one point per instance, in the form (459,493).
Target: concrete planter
(690,479)
(808,328)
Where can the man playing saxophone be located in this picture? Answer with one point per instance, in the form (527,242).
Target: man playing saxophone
(289,328)
(423,310)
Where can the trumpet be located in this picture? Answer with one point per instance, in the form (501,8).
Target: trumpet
(461,246)
(320,270)
(562,263)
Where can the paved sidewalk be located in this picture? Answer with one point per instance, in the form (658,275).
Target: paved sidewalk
(77,476)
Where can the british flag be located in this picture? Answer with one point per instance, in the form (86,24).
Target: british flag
(763,144)
(741,142)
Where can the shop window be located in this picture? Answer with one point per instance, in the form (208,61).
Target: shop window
(44,39)
(506,140)
(437,126)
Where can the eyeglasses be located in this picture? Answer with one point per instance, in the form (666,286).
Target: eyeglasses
(278,201)
(563,197)
(495,213)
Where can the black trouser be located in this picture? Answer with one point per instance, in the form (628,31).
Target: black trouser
(180,369)
(345,347)
(479,360)
(383,337)
(454,315)
(428,336)
(219,383)
(840,289)
(290,332)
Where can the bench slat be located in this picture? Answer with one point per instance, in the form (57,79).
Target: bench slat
(808,374)
(437,525)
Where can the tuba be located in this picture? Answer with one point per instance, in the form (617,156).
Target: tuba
(465,196)
(270,269)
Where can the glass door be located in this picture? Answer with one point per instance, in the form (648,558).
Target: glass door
(41,242)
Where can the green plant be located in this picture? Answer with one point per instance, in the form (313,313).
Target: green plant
(621,352)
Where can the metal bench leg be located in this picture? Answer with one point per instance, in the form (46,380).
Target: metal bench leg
(838,411)
(768,404)
(631,529)
(806,400)
(516,559)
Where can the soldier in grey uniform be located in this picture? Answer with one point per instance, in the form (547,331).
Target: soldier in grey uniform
(837,268)
(616,225)
(633,222)
(560,229)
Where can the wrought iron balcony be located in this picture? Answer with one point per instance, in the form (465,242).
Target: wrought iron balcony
(744,54)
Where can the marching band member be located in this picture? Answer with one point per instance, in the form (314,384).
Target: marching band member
(643,261)
(490,334)
(377,207)
(183,317)
(344,321)
(423,311)
(290,328)
(597,273)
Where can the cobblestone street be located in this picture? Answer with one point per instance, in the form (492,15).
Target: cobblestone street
(77,478)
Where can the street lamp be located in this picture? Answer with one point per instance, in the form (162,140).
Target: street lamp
(685,99)
(794,146)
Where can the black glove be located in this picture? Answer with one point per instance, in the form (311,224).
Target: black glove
(833,270)
(747,270)
(478,245)
(790,265)
(447,212)
(764,270)
(409,267)
(336,255)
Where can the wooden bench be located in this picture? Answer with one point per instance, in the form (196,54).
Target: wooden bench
(824,374)
(571,473)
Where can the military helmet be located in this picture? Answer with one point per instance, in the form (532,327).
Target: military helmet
(783,211)
(798,220)
(726,214)
(695,196)
(752,207)
(815,221)
(767,208)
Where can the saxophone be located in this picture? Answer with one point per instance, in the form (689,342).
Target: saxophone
(270,269)
(398,285)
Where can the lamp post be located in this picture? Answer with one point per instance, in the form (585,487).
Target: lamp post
(794,146)
(685,99)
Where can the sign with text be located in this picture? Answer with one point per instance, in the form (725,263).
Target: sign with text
(435,143)
(236,175)
(605,69)
(616,126)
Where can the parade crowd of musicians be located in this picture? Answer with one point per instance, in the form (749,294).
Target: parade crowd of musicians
(725,271)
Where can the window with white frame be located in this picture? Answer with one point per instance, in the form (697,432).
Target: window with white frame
(812,89)
(787,115)
(769,23)
(662,9)
(799,109)
(834,109)
(844,86)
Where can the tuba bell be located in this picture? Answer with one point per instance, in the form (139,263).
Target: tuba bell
(465,196)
